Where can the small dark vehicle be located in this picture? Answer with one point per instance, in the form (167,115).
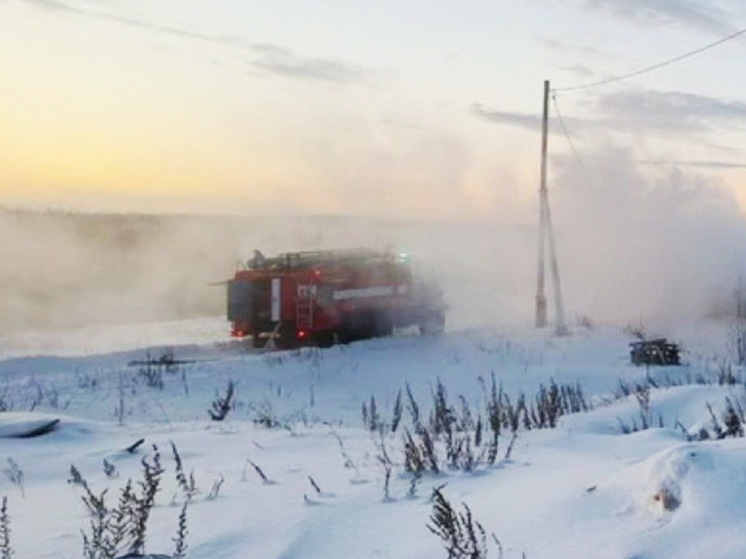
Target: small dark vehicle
(654,352)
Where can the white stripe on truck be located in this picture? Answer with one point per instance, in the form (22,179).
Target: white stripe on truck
(275,301)
(362,293)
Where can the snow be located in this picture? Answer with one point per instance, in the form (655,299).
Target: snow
(19,425)
(583,489)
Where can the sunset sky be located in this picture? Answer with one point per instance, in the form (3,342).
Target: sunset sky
(390,108)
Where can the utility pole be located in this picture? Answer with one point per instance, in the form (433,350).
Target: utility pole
(541,298)
(546,237)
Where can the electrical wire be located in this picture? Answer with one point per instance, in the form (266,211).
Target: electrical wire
(569,139)
(654,66)
(623,77)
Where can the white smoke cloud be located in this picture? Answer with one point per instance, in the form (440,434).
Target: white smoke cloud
(630,245)
(670,245)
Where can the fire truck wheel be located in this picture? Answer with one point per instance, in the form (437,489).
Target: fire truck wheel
(382,325)
(286,337)
(325,338)
(344,336)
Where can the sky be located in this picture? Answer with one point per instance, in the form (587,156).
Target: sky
(400,109)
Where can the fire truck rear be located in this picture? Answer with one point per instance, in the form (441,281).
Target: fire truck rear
(321,298)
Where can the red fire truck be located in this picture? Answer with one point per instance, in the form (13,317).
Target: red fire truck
(321,298)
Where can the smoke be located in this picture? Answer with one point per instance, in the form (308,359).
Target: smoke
(636,247)
(66,269)
(631,247)
(61,269)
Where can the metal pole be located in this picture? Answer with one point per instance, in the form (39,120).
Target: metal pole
(541,299)
(560,328)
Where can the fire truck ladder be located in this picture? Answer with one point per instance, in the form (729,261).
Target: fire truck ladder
(304,307)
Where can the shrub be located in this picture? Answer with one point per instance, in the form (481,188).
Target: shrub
(462,536)
(181,534)
(124,527)
(15,475)
(371,417)
(222,405)
(187,485)
(6,552)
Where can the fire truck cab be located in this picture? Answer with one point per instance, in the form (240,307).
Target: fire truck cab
(326,297)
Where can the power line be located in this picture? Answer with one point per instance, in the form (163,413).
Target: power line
(654,66)
(569,138)
(564,130)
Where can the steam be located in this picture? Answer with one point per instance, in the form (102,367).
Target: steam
(631,247)
(670,246)
(62,270)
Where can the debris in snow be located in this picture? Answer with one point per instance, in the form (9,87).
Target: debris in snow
(134,446)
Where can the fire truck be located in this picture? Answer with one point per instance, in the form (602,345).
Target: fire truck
(327,297)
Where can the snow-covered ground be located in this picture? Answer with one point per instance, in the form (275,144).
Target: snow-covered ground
(584,489)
